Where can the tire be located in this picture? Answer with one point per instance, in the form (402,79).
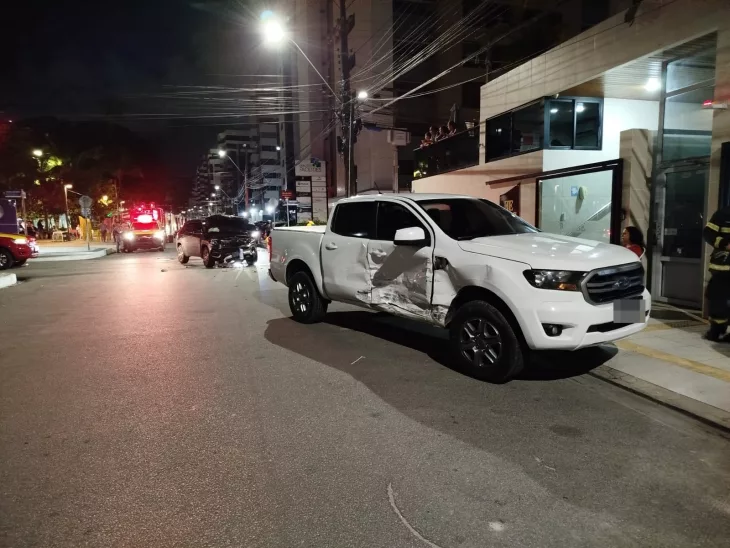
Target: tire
(162,249)
(6,259)
(208,261)
(21,262)
(484,343)
(181,257)
(305,302)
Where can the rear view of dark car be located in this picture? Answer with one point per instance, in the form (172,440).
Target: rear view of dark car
(218,239)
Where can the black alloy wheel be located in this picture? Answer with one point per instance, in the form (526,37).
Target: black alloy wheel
(208,261)
(305,302)
(485,344)
(6,259)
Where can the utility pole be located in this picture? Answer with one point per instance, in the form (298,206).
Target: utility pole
(347,62)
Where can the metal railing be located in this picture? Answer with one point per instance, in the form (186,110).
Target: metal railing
(456,152)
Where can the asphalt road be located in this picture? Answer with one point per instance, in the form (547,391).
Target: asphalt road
(143,403)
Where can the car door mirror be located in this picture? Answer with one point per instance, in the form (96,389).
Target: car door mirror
(413,236)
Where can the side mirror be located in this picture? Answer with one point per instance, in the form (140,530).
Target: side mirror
(413,236)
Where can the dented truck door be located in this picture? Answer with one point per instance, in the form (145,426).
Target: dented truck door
(402,275)
(344,252)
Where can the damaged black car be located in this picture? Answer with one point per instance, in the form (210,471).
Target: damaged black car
(218,239)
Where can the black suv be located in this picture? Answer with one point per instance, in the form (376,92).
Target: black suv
(217,239)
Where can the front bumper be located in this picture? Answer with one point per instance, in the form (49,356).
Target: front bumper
(233,251)
(584,324)
(144,242)
(24,252)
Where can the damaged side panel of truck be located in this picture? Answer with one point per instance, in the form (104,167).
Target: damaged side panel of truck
(402,278)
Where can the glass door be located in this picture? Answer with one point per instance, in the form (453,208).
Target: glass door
(681,217)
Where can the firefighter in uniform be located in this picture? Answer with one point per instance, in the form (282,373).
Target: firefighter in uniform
(717,234)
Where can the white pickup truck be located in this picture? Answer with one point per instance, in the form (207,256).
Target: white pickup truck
(498,284)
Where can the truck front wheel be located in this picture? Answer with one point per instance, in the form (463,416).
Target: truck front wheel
(305,302)
(484,343)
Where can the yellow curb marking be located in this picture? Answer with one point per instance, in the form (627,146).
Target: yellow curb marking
(692,365)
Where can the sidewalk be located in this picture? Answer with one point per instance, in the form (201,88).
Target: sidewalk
(75,250)
(671,362)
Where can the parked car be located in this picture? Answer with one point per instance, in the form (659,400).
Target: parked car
(217,239)
(500,286)
(16,249)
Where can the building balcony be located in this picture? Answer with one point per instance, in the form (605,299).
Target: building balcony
(457,152)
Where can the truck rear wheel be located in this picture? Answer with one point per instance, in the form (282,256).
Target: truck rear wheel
(305,302)
(6,259)
(484,343)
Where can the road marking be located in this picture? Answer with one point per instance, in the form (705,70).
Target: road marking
(357,360)
(692,365)
(391,497)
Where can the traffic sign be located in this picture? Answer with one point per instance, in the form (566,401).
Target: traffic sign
(287,195)
(85,202)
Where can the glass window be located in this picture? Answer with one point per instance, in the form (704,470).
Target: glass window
(561,124)
(498,136)
(689,71)
(391,218)
(587,124)
(355,219)
(234,225)
(683,209)
(528,127)
(687,125)
(465,219)
(577,205)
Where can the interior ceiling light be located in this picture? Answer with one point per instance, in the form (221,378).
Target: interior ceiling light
(653,84)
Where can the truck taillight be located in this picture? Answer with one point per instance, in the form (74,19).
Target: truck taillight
(270,246)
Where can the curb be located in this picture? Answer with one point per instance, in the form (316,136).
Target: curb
(707,414)
(7,279)
(79,256)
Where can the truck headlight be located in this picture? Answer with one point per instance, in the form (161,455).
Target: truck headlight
(21,241)
(129,235)
(561,280)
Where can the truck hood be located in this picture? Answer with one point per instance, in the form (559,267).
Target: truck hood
(551,251)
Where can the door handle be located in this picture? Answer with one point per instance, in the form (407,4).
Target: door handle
(331,246)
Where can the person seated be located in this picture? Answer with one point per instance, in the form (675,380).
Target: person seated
(427,140)
(434,131)
(443,133)
(452,129)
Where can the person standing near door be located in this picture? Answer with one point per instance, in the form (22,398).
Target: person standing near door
(717,234)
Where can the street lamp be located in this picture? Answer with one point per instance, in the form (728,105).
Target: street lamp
(221,153)
(37,152)
(362,94)
(217,187)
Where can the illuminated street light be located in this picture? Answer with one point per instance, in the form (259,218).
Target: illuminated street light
(217,187)
(362,95)
(273,31)
(278,147)
(37,153)
(105,198)
(67,186)
(221,153)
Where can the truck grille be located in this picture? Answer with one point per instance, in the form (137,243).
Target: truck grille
(606,285)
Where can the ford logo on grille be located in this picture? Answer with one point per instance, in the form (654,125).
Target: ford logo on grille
(622,283)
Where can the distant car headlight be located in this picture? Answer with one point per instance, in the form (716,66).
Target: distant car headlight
(561,280)
(129,235)
(21,241)
(160,234)
(255,234)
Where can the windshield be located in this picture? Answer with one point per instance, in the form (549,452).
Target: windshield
(145,226)
(465,219)
(231,225)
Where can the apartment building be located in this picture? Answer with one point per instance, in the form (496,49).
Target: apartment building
(625,124)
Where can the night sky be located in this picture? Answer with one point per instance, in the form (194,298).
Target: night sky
(81,59)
